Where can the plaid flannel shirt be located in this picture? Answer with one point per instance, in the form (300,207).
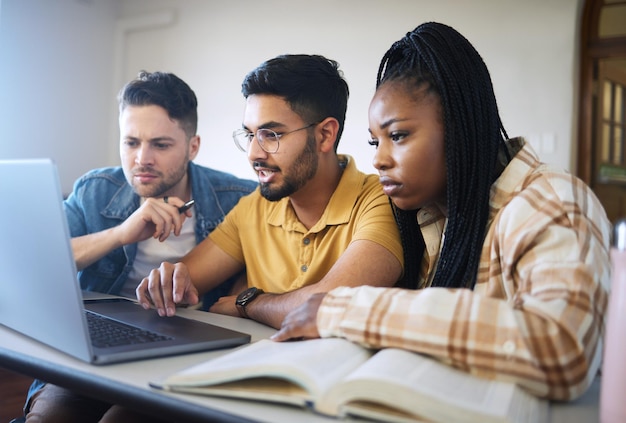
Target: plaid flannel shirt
(537,313)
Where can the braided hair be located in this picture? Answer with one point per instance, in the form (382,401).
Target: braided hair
(436,57)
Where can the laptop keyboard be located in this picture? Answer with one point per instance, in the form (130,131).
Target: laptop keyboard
(106,332)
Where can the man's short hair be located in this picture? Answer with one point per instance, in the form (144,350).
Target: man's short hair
(313,86)
(167,91)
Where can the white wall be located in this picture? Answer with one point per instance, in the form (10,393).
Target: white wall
(530,47)
(55,82)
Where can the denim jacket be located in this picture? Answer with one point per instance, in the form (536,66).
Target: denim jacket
(102,199)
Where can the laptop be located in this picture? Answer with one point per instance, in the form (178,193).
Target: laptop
(40,295)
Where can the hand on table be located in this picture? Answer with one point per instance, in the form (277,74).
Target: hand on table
(166,287)
(301,323)
(226,305)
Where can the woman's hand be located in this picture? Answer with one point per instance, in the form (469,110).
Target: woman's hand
(301,323)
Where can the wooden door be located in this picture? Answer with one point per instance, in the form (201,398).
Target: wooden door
(609,182)
(601,124)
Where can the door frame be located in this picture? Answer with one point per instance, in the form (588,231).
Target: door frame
(592,49)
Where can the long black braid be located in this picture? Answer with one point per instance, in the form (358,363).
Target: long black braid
(437,57)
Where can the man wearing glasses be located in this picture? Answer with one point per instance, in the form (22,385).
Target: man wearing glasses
(315,223)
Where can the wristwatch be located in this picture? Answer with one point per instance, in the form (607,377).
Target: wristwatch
(245,298)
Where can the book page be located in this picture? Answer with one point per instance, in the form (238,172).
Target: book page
(427,389)
(303,368)
(381,412)
(262,389)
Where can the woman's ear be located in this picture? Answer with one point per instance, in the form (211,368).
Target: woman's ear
(329,129)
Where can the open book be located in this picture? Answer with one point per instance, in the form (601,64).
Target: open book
(338,378)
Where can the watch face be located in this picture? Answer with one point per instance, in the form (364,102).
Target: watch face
(247,295)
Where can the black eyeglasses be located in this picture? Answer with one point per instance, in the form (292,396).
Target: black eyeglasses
(268,140)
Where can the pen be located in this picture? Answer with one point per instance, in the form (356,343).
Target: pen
(186,206)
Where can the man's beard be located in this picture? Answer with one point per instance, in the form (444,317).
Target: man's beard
(301,172)
(168,181)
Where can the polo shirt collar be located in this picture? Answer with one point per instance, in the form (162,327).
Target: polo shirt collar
(339,208)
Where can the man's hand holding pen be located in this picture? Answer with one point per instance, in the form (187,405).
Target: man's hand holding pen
(182,209)
(157,218)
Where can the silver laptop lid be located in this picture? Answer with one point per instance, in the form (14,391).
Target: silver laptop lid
(36,259)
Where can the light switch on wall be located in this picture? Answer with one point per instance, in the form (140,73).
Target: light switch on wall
(535,141)
(548,142)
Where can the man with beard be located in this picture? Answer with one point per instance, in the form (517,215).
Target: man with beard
(126,220)
(316,222)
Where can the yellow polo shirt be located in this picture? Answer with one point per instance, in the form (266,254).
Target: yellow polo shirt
(281,255)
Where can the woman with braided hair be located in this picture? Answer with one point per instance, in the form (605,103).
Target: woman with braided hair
(506,258)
